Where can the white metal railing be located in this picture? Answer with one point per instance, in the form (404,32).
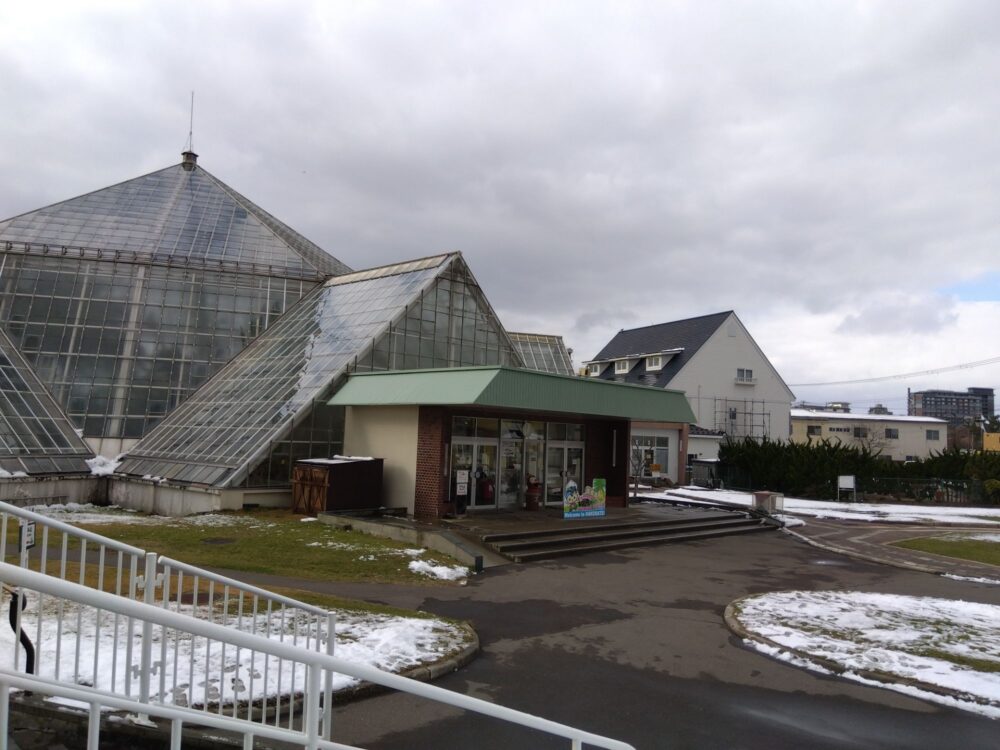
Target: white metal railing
(162,623)
(138,664)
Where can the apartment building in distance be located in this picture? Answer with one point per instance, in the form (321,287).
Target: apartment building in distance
(955,407)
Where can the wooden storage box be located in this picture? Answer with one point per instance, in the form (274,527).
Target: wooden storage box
(332,484)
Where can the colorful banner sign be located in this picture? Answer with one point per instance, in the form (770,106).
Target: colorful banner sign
(589,504)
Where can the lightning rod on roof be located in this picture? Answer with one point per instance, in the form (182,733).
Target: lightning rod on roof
(190,143)
(190,158)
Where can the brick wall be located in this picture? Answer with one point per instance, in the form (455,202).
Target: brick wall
(430,492)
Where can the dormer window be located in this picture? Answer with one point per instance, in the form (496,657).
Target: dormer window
(595,369)
(654,363)
(622,367)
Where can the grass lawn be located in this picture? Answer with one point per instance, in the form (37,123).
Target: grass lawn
(267,541)
(279,543)
(965,549)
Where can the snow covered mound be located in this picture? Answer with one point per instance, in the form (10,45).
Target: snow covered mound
(940,642)
(102,465)
(443,572)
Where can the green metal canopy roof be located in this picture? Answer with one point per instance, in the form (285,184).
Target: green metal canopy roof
(509,388)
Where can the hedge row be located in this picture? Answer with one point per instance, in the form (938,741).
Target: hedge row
(810,469)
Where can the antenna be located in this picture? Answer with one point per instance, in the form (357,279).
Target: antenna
(189,157)
(190,143)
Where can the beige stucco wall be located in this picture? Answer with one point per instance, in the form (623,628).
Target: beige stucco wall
(912,439)
(711,375)
(390,433)
(991,441)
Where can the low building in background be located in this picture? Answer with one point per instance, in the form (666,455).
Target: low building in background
(955,407)
(895,437)
(991,442)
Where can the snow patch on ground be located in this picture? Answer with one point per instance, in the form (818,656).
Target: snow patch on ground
(971,536)
(790,521)
(88,513)
(211,672)
(991,581)
(935,641)
(443,572)
(883,513)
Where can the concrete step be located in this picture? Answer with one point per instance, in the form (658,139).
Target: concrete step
(583,535)
(597,545)
(592,527)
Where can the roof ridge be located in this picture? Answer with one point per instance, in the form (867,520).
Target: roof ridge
(673,322)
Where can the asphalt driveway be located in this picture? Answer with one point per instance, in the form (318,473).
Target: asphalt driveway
(632,645)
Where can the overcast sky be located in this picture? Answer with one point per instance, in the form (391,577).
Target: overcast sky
(829,170)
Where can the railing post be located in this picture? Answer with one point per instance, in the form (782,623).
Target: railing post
(94,727)
(311,719)
(146,657)
(4,714)
(331,637)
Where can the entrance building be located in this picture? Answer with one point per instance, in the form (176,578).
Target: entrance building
(493,438)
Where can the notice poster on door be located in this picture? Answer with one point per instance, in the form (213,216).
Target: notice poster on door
(588,504)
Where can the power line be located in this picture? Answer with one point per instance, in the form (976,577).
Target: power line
(900,376)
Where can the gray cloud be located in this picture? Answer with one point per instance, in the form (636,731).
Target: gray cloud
(895,315)
(599,164)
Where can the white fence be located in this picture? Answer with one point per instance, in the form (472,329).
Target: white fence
(207,650)
(130,662)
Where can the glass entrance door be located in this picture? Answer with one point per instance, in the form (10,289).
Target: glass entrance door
(473,474)
(511,472)
(484,475)
(562,464)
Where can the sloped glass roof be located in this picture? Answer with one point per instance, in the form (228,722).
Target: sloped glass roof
(174,214)
(543,352)
(233,419)
(35,436)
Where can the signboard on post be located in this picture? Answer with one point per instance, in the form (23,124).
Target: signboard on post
(845,483)
(589,504)
(26,535)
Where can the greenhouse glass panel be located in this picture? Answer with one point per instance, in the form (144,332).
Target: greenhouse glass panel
(35,436)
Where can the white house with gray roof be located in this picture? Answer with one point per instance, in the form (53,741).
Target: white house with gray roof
(731,385)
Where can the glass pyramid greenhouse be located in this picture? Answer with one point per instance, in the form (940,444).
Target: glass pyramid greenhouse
(127,299)
(267,408)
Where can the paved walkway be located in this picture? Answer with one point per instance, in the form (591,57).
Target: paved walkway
(873,542)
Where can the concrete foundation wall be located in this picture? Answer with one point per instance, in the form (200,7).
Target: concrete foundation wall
(26,491)
(166,500)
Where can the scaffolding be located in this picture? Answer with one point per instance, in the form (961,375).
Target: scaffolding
(740,418)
